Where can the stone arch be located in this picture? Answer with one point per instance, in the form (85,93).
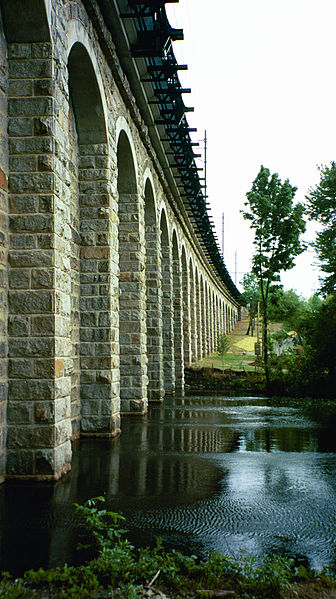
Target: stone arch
(212,324)
(123,130)
(88,153)
(167,312)
(203,316)
(132,283)
(86,96)
(207,315)
(153,296)
(217,320)
(185,307)
(198,315)
(192,297)
(222,316)
(177,314)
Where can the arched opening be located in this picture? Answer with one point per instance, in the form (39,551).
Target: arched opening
(167,312)
(212,322)
(153,299)
(207,322)
(93,328)
(192,296)
(217,322)
(177,309)
(132,285)
(86,98)
(198,316)
(203,318)
(185,309)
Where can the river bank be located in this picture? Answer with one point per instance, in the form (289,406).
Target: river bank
(211,475)
(119,570)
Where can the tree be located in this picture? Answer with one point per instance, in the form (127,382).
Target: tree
(319,335)
(292,310)
(250,297)
(223,345)
(277,224)
(322,208)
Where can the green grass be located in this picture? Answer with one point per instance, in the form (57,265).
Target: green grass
(234,361)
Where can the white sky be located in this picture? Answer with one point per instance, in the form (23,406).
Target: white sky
(263,81)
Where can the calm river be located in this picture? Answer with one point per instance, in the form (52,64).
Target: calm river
(227,474)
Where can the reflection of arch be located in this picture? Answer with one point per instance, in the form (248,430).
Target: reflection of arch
(177,315)
(86,97)
(132,283)
(167,313)
(153,297)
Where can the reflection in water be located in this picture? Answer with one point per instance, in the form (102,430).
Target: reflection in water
(202,473)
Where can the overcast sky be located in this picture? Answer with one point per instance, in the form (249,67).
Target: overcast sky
(262,74)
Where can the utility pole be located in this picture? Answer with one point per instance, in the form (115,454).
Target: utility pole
(223,235)
(236,267)
(205,165)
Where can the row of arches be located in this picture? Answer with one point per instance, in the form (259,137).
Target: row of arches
(108,300)
(184,312)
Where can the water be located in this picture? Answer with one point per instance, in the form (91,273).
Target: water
(204,474)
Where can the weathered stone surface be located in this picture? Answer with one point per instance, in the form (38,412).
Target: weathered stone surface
(104,295)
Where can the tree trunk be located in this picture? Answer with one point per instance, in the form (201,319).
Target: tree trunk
(265,346)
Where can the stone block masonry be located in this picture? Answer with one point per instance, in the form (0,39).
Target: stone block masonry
(105,292)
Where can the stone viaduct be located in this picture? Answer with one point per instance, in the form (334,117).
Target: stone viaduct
(111,279)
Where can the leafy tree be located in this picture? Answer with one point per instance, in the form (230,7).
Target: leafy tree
(277,225)
(319,335)
(291,309)
(223,345)
(250,297)
(322,208)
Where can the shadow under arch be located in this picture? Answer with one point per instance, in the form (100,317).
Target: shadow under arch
(167,312)
(132,285)
(86,98)
(153,298)
(25,21)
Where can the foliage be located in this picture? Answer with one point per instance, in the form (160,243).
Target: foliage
(277,224)
(322,208)
(311,367)
(319,331)
(250,297)
(251,294)
(223,345)
(119,565)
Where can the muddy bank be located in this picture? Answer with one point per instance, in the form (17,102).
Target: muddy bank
(230,382)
